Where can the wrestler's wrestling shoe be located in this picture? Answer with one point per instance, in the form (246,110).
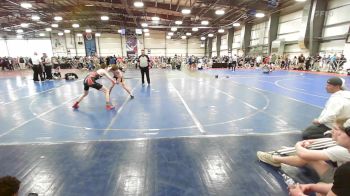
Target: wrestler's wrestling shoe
(110,107)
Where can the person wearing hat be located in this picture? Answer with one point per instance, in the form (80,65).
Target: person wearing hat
(144,66)
(340,185)
(337,106)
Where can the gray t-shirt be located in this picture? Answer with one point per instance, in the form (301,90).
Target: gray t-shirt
(143,61)
(338,154)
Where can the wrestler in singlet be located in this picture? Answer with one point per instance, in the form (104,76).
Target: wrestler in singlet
(90,81)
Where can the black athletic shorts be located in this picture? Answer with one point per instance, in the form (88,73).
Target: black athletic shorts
(95,85)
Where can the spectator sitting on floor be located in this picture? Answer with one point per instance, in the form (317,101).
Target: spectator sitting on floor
(337,106)
(315,159)
(9,186)
(340,185)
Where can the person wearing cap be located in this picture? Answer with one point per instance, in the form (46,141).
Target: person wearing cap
(144,66)
(340,185)
(337,106)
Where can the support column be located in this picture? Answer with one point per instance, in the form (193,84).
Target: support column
(230,41)
(206,47)
(186,47)
(75,44)
(273,30)
(319,10)
(210,46)
(246,34)
(218,44)
(303,40)
(7,48)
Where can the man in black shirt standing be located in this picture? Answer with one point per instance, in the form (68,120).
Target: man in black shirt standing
(143,62)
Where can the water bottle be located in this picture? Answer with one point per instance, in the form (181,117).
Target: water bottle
(288,180)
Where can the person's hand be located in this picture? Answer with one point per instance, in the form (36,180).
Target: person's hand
(316,122)
(305,143)
(296,190)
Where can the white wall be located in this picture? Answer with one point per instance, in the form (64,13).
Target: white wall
(288,28)
(337,23)
(259,34)
(3,48)
(22,47)
(156,42)
(109,44)
(194,47)
(224,45)
(236,45)
(213,49)
(176,46)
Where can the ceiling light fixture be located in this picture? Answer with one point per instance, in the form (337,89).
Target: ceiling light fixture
(60,33)
(41,34)
(202,38)
(79,34)
(54,25)
(138,31)
(24,25)
(178,22)
(89,5)
(168,37)
(26,5)
(120,31)
(183,37)
(104,18)
(138,4)
(194,29)
(205,22)
(88,30)
(236,24)
(259,15)
(144,25)
(145,30)
(170,33)
(58,18)
(219,12)
(97,34)
(75,25)
(185,11)
(188,34)
(35,17)
(155,18)
(48,29)
(221,31)
(173,29)
(210,35)
(67,31)
(19,31)
(147,34)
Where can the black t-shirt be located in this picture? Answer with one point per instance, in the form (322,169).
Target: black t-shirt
(341,186)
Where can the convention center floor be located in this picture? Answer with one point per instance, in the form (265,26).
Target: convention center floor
(188,133)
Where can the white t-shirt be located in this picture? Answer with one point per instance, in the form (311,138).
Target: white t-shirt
(338,154)
(36,60)
(337,106)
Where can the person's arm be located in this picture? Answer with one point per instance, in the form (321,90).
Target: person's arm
(303,189)
(330,193)
(321,188)
(309,155)
(104,72)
